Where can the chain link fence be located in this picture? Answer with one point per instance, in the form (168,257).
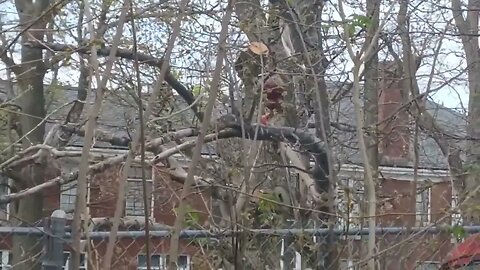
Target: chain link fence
(296,248)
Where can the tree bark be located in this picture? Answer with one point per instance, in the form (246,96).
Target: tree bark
(371,98)
(468,30)
(29,210)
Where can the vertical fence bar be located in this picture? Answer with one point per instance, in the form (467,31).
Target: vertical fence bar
(53,259)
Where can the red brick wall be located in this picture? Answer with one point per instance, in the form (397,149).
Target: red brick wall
(167,196)
(104,191)
(394,135)
(396,207)
(51,196)
(127,250)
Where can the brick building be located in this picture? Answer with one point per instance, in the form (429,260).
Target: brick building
(403,200)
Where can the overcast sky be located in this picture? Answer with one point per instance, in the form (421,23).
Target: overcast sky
(451,96)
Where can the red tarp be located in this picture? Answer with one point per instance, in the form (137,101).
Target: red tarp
(464,253)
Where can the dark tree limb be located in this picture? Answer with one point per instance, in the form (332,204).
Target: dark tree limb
(230,128)
(303,140)
(126,54)
(122,140)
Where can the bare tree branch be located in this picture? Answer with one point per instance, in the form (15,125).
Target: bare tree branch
(127,54)
(60,180)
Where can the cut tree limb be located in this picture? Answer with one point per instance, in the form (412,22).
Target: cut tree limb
(60,180)
(306,141)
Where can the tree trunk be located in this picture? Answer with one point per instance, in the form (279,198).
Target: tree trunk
(27,250)
(468,30)
(310,46)
(371,93)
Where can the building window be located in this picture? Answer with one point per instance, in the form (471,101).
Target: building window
(134,197)
(347,264)
(349,196)
(66,261)
(4,190)
(159,262)
(423,206)
(68,196)
(6,259)
(297,260)
(457,218)
(427,265)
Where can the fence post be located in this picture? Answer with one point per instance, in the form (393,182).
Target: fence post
(53,259)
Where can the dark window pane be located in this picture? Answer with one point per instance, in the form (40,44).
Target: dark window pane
(155,260)
(182,262)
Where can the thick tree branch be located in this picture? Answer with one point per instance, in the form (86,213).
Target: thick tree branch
(126,54)
(229,129)
(10,63)
(60,180)
(304,140)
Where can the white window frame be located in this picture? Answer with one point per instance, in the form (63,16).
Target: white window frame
(68,190)
(162,262)
(425,265)
(83,266)
(423,209)
(6,208)
(152,199)
(161,259)
(457,218)
(298,258)
(5,262)
(348,264)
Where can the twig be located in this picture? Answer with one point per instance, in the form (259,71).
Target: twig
(80,203)
(25,29)
(146,195)
(215,85)
(359,60)
(127,54)
(37,126)
(60,180)
(125,171)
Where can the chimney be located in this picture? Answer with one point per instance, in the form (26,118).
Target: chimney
(394,134)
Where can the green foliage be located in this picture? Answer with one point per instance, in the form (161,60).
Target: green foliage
(197,90)
(458,232)
(357,21)
(361,21)
(192,217)
(176,73)
(267,209)
(4,129)
(268,203)
(67,59)
(472,168)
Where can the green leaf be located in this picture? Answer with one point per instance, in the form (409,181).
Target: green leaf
(361,21)
(267,203)
(192,216)
(197,90)
(458,232)
(351,30)
(176,73)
